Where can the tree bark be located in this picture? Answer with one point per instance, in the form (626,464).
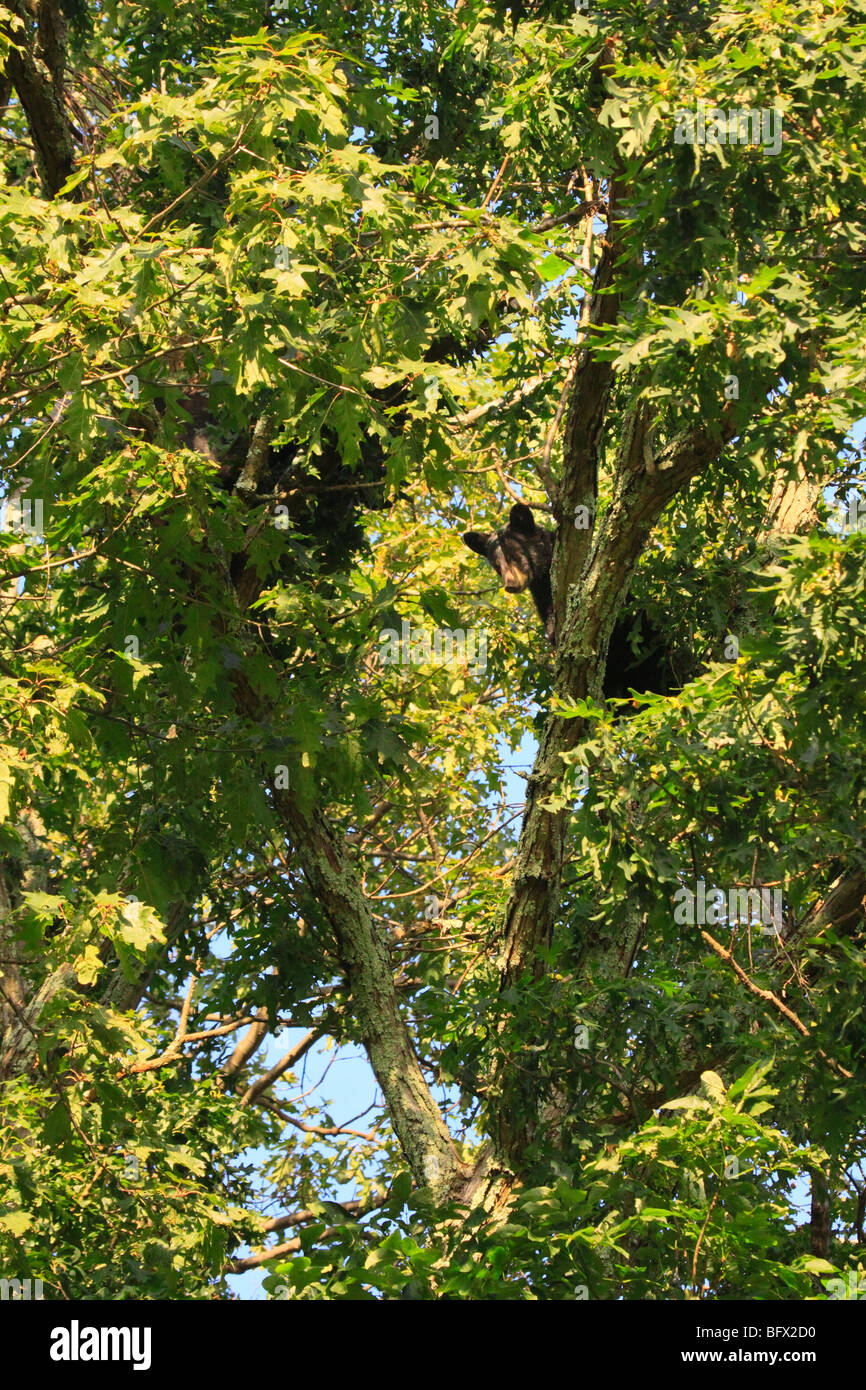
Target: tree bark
(36,68)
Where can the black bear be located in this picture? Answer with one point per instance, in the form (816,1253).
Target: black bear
(522,553)
(521,556)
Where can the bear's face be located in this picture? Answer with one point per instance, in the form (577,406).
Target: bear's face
(520,553)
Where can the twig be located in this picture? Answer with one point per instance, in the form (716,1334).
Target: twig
(698,1246)
(770,998)
(496,182)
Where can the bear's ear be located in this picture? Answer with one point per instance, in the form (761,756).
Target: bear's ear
(521,520)
(476,541)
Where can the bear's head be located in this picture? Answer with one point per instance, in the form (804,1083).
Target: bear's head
(520,553)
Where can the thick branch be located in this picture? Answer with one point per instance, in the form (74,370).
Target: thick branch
(289,1060)
(423,1134)
(592,603)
